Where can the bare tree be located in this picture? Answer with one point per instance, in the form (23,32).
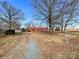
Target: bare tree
(50,10)
(70,15)
(9,14)
(45,9)
(28,24)
(56,12)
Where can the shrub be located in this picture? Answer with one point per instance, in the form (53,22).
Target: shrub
(23,29)
(9,31)
(57,29)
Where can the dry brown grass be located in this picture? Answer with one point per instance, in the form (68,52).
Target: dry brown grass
(54,37)
(52,46)
(7,43)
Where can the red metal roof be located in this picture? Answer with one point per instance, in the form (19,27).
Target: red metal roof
(39,28)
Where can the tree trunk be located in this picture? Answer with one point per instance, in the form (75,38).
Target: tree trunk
(65,28)
(62,24)
(10,24)
(50,23)
(50,18)
(52,27)
(61,28)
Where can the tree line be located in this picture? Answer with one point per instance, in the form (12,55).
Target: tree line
(61,13)
(55,13)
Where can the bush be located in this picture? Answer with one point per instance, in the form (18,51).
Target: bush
(57,29)
(23,29)
(9,31)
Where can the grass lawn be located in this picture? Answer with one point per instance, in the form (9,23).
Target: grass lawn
(73,32)
(54,36)
(47,43)
(7,43)
(53,44)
